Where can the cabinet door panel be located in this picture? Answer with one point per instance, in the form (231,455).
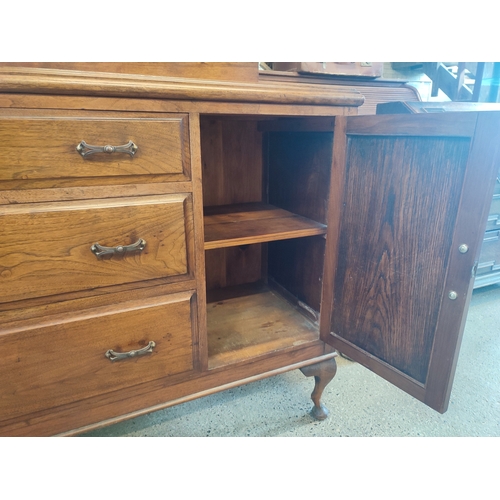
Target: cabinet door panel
(410,192)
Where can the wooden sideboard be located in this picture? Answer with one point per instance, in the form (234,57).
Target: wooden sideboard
(166,238)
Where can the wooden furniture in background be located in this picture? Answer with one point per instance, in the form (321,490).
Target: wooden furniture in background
(164,239)
(373,90)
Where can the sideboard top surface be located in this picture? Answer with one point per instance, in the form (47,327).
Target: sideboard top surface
(35,80)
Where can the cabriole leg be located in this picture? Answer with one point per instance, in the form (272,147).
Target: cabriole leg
(323,373)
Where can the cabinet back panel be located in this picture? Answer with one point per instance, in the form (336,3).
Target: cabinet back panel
(232,173)
(233,266)
(231,152)
(297,265)
(299,165)
(407,226)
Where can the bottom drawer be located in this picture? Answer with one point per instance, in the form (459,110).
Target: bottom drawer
(68,357)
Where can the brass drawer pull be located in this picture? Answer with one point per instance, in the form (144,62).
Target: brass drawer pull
(86,149)
(100,251)
(116,356)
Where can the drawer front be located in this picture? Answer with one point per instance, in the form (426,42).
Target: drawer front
(45,147)
(63,359)
(489,259)
(46,248)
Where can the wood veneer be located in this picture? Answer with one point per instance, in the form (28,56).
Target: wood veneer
(382,188)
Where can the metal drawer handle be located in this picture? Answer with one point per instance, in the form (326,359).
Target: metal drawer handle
(100,251)
(116,356)
(86,149)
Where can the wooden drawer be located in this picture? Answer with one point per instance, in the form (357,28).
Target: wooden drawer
(63,357)
(42,148)
(45,248)
(489,259)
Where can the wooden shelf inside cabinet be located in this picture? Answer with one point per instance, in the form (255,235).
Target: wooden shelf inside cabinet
(253,323)
(248,223)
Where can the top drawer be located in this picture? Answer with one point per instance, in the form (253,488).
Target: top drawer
(43,148)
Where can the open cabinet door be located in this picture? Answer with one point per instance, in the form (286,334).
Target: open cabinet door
(408,208)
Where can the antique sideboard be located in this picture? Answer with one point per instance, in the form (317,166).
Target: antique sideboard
(163,238)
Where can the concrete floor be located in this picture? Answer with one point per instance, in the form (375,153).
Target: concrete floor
(361,403)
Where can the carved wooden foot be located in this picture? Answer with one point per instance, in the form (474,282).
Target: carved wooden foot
(323,373)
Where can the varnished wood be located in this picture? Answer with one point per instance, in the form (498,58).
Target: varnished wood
(230,71)
(250,326)
(232,152)
(62,358)
(396,284)
(232,266)
(298,169)
(323,374)
(16,196)
(29,312)
(57,257)
(489,258)
(241,142)
(402,254)
(199,317)
(297,265)
(422,125)
(222,157)
(375,91)
(254,223)
(232,161)
(124,103)
(201,394)
(319,124)
(44,147)
(134,402)
(48,81)
(479,184)
(335,211)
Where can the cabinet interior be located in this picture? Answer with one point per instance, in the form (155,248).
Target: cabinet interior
(265,191)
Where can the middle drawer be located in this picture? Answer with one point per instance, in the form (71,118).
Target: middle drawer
(54,248)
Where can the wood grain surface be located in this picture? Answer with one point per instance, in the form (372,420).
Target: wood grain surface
(46,247)
(254,325)
(62,359)
(44,147)
(70,82)
(394,244)
(254,223)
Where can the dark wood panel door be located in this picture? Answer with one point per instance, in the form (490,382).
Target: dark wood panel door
(408,205)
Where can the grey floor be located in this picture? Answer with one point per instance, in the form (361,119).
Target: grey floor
(361,403)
